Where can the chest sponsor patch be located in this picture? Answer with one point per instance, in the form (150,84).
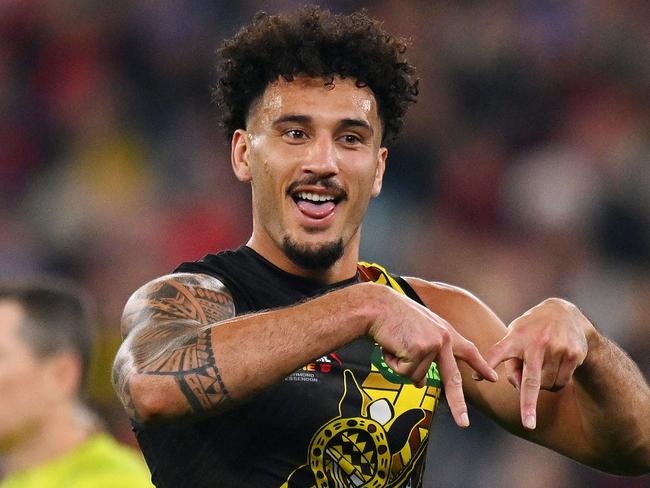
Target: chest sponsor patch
(312,372)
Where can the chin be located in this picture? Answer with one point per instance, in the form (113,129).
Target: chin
(313,256)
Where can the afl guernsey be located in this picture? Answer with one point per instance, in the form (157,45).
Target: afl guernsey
(343,420)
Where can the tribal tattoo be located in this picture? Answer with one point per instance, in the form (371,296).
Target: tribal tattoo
(169,327)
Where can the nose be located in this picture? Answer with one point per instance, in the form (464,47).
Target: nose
(322,157)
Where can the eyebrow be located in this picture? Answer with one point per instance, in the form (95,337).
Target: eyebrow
(306,119)
(356,123)
(300,119)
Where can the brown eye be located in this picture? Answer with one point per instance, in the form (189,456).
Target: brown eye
(295,134)
(351,139)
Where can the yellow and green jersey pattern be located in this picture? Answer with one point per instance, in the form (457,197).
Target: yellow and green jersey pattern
(381,441)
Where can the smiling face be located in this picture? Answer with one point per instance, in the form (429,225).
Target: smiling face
(313,155)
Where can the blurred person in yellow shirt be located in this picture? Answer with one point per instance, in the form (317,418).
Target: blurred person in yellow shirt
(48,436)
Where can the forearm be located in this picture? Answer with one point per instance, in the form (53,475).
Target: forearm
(278,342)
(613,400)
(206,368)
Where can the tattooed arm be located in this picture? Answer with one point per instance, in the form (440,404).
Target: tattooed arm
(182,339)
(166,327)
(185,353)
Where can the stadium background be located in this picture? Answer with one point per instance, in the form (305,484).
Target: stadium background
(523,171)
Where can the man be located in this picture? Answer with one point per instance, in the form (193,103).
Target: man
(48,437)
(287,362)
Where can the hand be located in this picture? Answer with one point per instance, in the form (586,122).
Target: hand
(412,337)
(542,349)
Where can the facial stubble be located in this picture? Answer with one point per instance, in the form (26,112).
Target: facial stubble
(307,257)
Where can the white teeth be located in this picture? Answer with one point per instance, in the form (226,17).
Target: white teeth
(303,195)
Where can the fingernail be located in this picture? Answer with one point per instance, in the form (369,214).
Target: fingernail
(529,422)
(494,376)
(464,420)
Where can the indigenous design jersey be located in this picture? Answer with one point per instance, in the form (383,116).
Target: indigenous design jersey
(344,420)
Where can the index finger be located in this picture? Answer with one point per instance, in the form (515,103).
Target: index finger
(530,384)
(469,353)
(453,383)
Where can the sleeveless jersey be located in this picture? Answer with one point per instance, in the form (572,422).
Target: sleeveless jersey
(343,420)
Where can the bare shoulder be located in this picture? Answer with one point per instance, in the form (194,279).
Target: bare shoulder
(465,311)
(443,296)
(196,297)
(439,289)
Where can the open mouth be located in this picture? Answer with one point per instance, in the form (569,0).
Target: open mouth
(316,205)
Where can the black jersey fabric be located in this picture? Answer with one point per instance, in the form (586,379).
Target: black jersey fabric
(344,419)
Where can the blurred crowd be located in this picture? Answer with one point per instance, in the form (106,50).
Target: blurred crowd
(523,171)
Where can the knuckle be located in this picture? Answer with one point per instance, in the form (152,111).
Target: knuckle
(455,379)
(554,302)
(419,348)
(471,347)
(466,350)
(571,355)
(544,340)
(548,380)
(559,304)
(531,383)
(550,301)
(445,336)
(579,353)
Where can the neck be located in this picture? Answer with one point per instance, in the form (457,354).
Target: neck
(65,428)
(342,269)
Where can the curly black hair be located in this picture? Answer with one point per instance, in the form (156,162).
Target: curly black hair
(316,43)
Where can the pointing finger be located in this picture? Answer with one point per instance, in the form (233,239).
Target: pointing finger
(530,385)
(453,383)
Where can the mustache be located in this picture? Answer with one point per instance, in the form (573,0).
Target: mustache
(328,183)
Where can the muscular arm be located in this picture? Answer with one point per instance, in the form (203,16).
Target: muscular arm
(613,401)
(185,352)
(167,329)
(599,418)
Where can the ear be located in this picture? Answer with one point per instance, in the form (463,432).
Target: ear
(379,172)
(240,150)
